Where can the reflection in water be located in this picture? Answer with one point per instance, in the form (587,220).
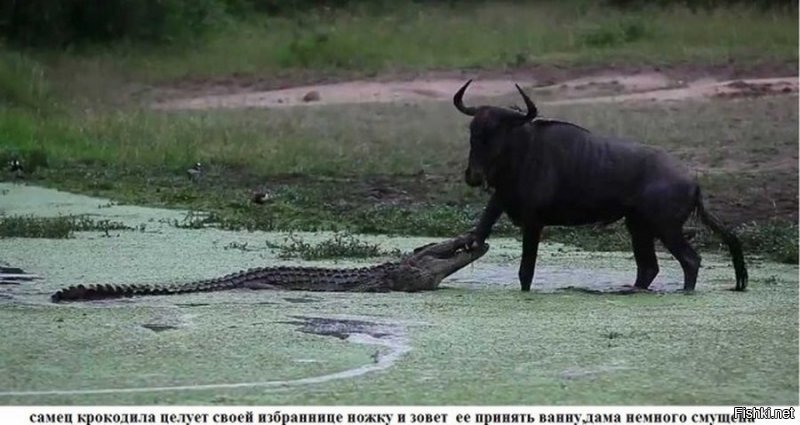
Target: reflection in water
(552,279)
(391,337)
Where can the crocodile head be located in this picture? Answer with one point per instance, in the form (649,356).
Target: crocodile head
(445,258)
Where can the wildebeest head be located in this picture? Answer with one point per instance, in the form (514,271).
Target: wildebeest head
(488,133)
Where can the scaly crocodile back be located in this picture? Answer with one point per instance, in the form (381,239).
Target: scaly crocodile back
(367,279)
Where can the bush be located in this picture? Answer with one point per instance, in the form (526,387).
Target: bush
(702,4)
(341,245)
(613,34)
(775,239)
(22,82)
(65,23)
(282,7)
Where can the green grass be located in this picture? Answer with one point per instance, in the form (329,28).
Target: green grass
(22,81)
(774,239)
(36,227)
(381,138)
(777,239)
(484,35)
(490,35)
(340,245)
(323,165)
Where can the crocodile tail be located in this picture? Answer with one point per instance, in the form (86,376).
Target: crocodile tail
(99,292)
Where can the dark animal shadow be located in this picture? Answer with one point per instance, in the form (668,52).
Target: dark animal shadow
(302,300)
(157,327)
(15,276)
(625,290)
(339,328)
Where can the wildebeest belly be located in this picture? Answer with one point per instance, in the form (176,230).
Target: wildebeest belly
(565,213)
(581,212)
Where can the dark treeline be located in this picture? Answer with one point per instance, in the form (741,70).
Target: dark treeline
(64,23)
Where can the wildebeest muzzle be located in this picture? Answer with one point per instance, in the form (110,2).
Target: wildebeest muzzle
(474,177)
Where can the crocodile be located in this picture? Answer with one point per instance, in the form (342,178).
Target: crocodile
(422,270)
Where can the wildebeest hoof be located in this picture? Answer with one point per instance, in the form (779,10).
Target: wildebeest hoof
(473,242)
(469,242)
(633,289)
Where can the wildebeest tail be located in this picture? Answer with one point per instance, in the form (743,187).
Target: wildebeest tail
(729,238)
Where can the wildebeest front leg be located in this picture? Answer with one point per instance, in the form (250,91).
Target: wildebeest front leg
(488,218)
(530,248)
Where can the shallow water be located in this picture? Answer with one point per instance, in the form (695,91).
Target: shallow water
(164,253)
(477,341)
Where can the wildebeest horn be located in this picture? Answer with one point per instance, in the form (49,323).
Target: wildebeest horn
(532,111)
(458,100)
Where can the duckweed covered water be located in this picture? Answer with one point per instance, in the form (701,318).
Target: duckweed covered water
(478,341)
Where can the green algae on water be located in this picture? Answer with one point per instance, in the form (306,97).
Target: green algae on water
(479,340)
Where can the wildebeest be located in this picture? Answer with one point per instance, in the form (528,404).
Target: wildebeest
(547,172)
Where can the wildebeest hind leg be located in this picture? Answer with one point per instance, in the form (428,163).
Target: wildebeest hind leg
(530,249)
(677,245)
(644,252)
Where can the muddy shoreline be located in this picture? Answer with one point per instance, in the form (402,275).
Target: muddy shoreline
(655,87)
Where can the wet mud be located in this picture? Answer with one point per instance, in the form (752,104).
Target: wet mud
(157,327)
(599,89)
(302,300)
(341,328)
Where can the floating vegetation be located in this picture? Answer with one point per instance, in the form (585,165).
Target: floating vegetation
(61,227)
(340,245)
